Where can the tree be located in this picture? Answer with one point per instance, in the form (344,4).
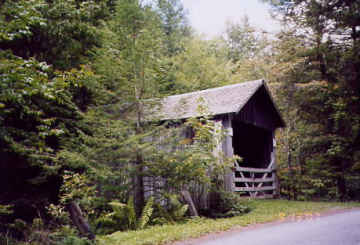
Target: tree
(134,46)
(243,41)
(174,24)
(131,68)
(59,32)
(42,108)
(38,119)
(332,43)
(202,65)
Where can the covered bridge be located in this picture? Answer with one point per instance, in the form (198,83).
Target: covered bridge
(248,113)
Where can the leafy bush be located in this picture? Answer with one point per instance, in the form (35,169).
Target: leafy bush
(227,204)
(124,217)
(173,211)
(67,235)
(38,233)
(74,240)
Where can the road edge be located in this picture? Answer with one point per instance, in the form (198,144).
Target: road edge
(288,219)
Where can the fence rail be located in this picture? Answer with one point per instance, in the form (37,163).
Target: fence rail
(255,180)
(255,170)
(264,188)
(254,185)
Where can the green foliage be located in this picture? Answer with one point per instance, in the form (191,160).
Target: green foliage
(227,204)
(75,240)
(5,209)
(174,211)
(38,233)
(181,161)
(131,214)
(17,19)
(266,211)
(133,43)
(58,137)
(68,236)
(201,65)
(58,32)
(75,187)
(146,214)
(68,129)
(174,24)
(38,118)
(242,41)
(124,217)
(322,137)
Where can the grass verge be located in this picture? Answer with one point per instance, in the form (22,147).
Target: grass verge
(264,211)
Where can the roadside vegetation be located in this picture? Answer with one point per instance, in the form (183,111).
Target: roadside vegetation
(262,211)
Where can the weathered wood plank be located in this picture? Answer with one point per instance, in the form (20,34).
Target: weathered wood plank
(261,184)
(264,188)
(228,151)
(254,170)
(243,177)
(187,198)
(257,180)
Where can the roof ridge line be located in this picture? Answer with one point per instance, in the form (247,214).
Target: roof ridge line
(217,88)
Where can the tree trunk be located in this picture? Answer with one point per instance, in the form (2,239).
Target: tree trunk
(79,221)
(341,182)
(289,164)
(139,199)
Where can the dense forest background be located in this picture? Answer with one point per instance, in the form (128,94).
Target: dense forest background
(74,75)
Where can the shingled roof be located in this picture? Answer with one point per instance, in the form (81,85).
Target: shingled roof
(215,101)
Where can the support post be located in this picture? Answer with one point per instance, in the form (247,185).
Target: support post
(228,152)
(274,167)
(187,198)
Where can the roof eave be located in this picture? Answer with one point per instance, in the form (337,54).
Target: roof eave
(263,83)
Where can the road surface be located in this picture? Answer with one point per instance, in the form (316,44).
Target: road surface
(337,229)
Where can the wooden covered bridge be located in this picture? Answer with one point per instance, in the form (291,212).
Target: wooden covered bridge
(248,113)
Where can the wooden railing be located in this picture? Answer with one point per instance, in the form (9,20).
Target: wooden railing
(255,185)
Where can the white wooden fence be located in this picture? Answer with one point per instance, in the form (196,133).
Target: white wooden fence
(253,184)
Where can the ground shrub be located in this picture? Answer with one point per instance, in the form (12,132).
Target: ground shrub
(227,204)
(169,210)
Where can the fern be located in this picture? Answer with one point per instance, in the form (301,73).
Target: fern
(179,213)
(124,217)
(174,210)
(146,214)
(117,207)
(164,215)
(177,209)
(123,214)
(131,214)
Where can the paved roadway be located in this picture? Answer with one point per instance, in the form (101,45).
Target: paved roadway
(337,229)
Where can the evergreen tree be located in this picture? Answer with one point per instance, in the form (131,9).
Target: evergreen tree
(174,24)
(242,40)
(332,43)
(42,108)
(134,47)
(38,120)
(60,32)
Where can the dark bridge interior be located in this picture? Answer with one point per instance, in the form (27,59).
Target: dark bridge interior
(253,144)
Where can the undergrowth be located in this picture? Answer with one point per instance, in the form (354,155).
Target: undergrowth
(263,211)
